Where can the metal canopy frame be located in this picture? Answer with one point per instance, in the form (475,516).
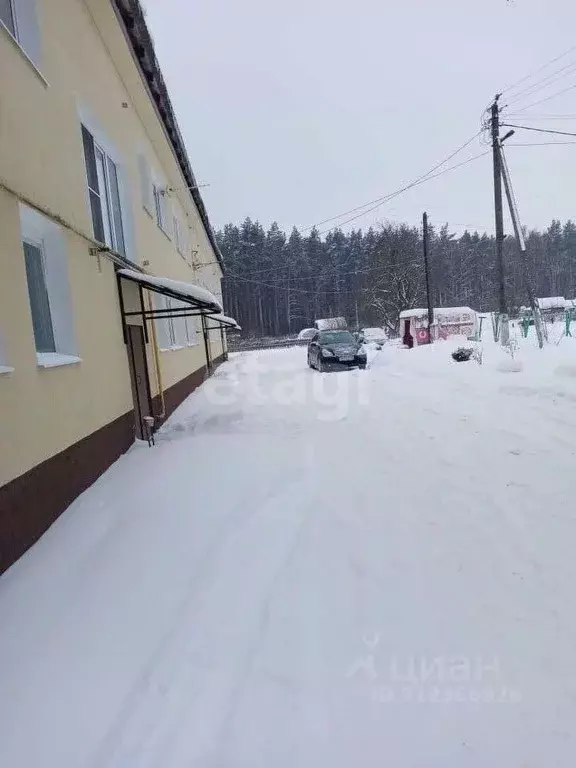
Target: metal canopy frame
(197,308)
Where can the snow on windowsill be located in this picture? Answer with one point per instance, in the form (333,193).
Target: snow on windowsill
(24,54)
(54,359)
(172,349)
(6,369)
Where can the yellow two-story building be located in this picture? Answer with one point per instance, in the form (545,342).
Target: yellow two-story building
(110,298)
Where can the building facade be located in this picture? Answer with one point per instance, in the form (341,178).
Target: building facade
(94,180)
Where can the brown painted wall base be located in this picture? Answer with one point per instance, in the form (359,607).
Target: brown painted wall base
(177,393)
(32,502)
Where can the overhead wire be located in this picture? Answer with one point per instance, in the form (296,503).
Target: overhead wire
(540,144)
(547,98)
(520,115)
(398,191)
(540,69)
(409,186)
(316,290)
(356,273)
(538,130)
(546,82)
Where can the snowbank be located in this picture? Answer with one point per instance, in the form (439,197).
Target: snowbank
(286,612)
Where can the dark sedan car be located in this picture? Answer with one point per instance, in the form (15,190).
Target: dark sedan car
(328,348)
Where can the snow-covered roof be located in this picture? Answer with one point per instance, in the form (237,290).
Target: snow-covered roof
(330,323)
(444,312)
(176,288)
(551,302)
(416,312)
(225,320)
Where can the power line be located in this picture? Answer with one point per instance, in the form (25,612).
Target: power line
(548,98)
(414,184)
(540,69)
(538,130)
(337,275)
(546,82)
(519,115)
(541,144)
(398,191)
(303,290)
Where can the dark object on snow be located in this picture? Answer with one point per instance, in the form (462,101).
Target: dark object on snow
(462,354)
(339,347)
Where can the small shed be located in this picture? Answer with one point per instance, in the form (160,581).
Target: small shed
(552,308)
(448,321)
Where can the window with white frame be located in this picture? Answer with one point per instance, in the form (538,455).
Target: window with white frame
(20,18)
(104,192)
(7,15)
(191,330)
(158,206)
(35,260)
(46,269)
(176,230)
(175,332)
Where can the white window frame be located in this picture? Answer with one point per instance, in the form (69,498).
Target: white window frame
(40,247)
(114,231)
(176,332)
(176,230)
(158,209)
(49,238)
(25,31)
(191,323)
(12,9)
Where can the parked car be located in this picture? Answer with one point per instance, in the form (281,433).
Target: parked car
(373,335)
(329,348)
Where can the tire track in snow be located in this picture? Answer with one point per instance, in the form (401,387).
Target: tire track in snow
(186,677)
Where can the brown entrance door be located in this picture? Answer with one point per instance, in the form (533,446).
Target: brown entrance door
(136,349)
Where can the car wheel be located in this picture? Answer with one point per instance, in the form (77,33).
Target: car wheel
(362,366)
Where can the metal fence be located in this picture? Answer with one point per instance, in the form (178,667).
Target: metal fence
(238,343)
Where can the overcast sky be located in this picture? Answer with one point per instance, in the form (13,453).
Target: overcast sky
(302,110)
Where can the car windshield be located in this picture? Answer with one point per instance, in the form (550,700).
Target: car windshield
(336,337)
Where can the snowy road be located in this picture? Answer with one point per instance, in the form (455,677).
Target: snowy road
(363,568)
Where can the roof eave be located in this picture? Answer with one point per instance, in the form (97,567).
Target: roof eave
(138,36)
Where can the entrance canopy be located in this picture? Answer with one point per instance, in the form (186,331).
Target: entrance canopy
(197,297)
(224,320)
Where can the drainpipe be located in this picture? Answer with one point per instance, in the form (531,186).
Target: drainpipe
(206,349)
(156,355)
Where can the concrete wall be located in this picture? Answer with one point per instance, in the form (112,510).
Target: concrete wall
(87,73)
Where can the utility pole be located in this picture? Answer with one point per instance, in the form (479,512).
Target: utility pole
(521,242)
(499,221)
(427,273)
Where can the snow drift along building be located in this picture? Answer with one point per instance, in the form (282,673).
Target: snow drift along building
(110,297)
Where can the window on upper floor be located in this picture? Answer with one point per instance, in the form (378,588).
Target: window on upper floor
(46,267)
(177,233)
(158,205)
(20,19)
(104,192)
(7,15)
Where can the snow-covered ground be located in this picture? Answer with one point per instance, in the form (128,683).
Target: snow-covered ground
(352,569)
